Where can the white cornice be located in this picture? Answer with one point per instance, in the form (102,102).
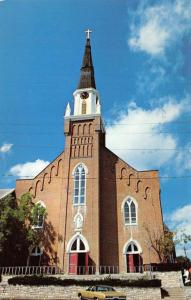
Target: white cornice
(82,117)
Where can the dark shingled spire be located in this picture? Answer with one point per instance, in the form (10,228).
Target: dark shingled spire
(87,79)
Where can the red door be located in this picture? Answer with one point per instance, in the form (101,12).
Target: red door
(130,263)
(87,263)
(73,263)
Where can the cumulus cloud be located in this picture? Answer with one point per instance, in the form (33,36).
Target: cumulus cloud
(151,78)
(183,159)
(179,220)
(156,27)
(28,169)
(182,215)
(5,148)
(140,134)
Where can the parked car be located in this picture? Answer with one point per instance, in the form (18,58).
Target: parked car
(101,292)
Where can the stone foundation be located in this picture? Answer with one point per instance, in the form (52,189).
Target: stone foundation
(188,292)
(70,292)
(169,279)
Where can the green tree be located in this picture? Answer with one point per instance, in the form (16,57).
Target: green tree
(185,261)
(17,228)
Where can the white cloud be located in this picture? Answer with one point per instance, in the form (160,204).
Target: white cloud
(180,221)
(183,159)
(28,169)
(182,215)
(159,26)
(138,128)
(5,148)
(151,38)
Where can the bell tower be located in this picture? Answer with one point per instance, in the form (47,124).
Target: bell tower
(84,120)
(84,137)
(86,96)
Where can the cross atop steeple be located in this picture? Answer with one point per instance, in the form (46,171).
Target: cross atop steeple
(87,79)
(88,31)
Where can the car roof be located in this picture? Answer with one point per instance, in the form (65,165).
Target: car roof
(101,285)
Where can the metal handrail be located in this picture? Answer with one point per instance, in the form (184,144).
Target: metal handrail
(30,270)
(76,270)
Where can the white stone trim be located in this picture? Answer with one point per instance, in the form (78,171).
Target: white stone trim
(78,164)
(41,203)
(73,174)
(75,219)
(77,237)
(35,254)
(136,243)
(136,207)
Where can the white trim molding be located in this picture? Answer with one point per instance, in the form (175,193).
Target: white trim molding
(130,217)
(136,244)
(77,237)
(35,253)
(78,164)
(79,191)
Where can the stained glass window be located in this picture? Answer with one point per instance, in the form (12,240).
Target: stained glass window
(130,212)
(79,185)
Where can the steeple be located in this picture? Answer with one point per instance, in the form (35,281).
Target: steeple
(87,79)
(86,96)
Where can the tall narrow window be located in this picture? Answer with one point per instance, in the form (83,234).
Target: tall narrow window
(83,107)
(79,185)
(38,214)
(130,212)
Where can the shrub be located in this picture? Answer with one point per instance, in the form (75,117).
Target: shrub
(45,280)
(166,267)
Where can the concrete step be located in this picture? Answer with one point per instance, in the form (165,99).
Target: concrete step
(173,293)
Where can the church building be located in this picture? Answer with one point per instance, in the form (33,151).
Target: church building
(99,209)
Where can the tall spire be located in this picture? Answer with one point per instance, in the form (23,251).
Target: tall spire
(87,79)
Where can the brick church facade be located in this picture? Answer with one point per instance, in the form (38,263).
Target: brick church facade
(97,206)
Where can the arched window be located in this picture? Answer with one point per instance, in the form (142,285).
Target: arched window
(132,248)
(130,212)
(35,256)
(78,246)
(77,243)
(83,107)
(39,214)
(79,185)
(36,251)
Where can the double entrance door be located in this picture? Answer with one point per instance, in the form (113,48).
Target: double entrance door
(134,263)
(78,263)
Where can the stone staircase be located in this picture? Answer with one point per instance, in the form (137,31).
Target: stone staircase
(173,293)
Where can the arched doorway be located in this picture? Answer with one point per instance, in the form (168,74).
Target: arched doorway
(35,256)
(78,250)
(134,260)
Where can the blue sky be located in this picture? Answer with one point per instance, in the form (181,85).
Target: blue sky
(141,53)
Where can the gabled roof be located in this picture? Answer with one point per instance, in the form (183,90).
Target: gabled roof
(87,79)
(5,192)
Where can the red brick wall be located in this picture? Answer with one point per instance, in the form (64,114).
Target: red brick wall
(119,181)
(109,181)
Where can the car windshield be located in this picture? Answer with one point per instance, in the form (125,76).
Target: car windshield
(105,288)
